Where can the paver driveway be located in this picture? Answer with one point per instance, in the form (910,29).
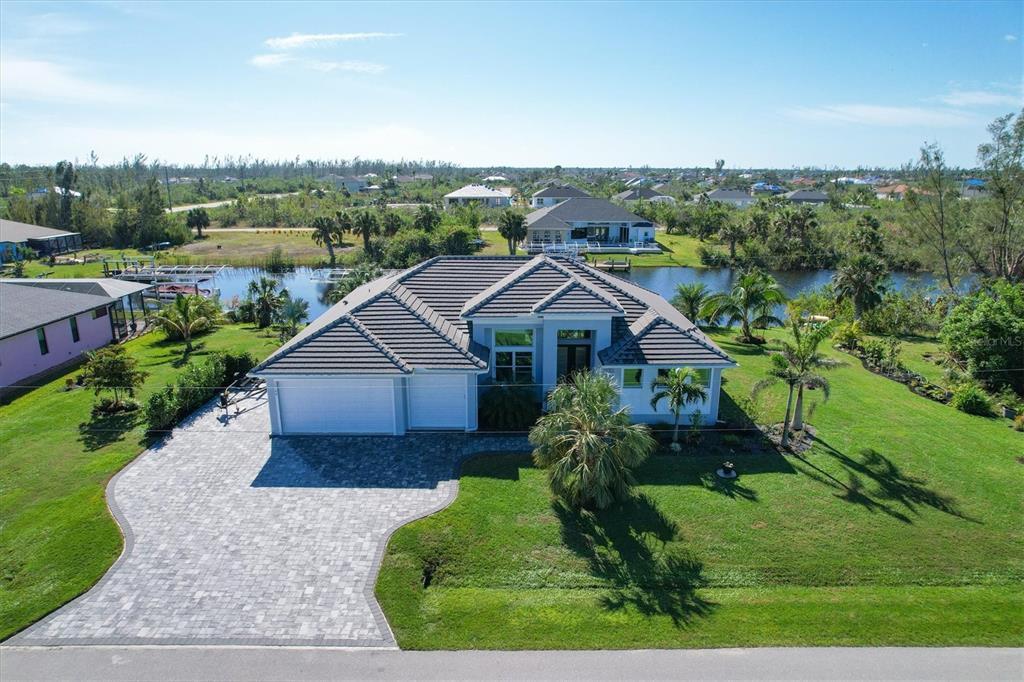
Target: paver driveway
(236,538)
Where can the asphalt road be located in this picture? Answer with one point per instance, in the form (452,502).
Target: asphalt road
(270,663)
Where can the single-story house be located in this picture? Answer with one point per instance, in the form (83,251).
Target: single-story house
(45,241)
(583,220)
(415,350)
(631,196)
(352,184)
(892,192)
(478,194)
(807,196)
(549,196)
(733,197)
(46,323)
(973,188)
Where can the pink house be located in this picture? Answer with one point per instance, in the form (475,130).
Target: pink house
(45,324)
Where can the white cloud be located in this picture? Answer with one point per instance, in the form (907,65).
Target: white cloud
(52,24)
(268,60)
(1010,38)
(878,115)
(347,65)
(37,79)
(981,98)
(302,40)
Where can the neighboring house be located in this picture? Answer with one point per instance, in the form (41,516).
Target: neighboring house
(495,178)
(45,241)
(479,194)
(973,188)
(766,188)
(892,192)
(352,184)
(582,220)
(631,196)
(48,323)
(549,196)
(414,350)
(807,196)
(733,197)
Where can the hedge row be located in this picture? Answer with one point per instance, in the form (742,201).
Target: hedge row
(198,382)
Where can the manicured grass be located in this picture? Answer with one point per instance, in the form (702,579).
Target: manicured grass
(679,249)
(913,356)
(57,535)
(496,245)
(900,526)
(248,248)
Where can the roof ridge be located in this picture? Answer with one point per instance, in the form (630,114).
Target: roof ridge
(395,358)
(575,281)
(488,294)
(404,296)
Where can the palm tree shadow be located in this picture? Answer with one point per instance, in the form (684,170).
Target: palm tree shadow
(876,483)
(627,547)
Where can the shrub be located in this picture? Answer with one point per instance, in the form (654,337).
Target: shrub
(1018,422)
(108,405)
(969,397)
(986,332)
(199,382)
(874,352)
(848,335)
(162,409)
(236,365)
(712,258)
(509,407)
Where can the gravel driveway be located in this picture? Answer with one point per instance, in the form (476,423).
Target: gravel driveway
(233,537)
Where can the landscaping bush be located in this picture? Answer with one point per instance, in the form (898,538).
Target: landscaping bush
(985,331)
(848,335)
(236,365)
(712,258)
(199,382)
(162,409)
(971,398)
(1018,422)
(509,407)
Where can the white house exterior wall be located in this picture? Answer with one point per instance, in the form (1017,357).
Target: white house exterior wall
(638,400)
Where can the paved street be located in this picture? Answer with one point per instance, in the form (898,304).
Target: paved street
(192,663)
(237,538)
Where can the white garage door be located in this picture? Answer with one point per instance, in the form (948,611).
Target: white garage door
(437,401)
(356,405)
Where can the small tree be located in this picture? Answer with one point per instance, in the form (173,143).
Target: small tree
(690,299)
(680,387)
(512,228)
(197,219)
(861,279)
(367,226)
(427,218)
(187,316)
(587,446)
(113,369)
(750,303)
(292,313)
(266,298)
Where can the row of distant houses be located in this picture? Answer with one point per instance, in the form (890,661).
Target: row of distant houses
(500,197)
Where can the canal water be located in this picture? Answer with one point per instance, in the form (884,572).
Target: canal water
(233,282)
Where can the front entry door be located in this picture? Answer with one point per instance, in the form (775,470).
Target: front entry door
(624,234)
(573,358)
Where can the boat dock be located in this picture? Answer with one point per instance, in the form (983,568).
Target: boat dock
(611,265)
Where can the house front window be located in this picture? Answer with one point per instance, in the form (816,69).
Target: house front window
(574,334)
(44,347)
(513,355)
(74,330)
(632,377)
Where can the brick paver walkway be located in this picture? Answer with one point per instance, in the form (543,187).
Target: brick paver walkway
(237,538)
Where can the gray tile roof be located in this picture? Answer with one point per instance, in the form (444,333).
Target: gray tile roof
(729,194)
(807,196)
(581,209)
(637,193)
(656,340)
(560,192)
(418,319)
(17,233)
(104,286)
(24,307)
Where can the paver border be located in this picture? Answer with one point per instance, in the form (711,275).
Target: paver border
(384,643)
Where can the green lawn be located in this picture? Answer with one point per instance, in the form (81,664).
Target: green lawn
(57,535)
(901,526)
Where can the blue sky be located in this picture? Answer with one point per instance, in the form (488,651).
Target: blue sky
(758,84)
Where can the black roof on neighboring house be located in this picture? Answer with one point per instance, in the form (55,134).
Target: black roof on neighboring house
(728,194)
(560,192)
(809,196)
(19,233)
(24,307)
(637,193)
(418,319)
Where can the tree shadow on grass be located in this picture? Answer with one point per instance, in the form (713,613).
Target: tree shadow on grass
(628,547)
(102,430)
(876,483)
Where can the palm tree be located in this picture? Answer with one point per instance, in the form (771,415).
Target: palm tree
(862,280)
(186,316)
(366,225)
(690,299)
(356,277)
(326,233)
(292,313)
(731,233)
(512,227)
(266,300)
(198,219)
(680,387)
(797,366)
(587,446)
(750,302)
(426,218)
